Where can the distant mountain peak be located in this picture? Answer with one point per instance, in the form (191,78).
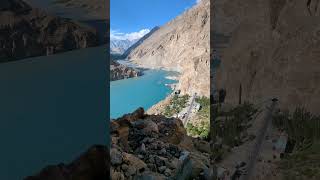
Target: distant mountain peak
(123,46)
(140,41)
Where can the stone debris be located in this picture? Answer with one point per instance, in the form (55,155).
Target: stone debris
(142,149)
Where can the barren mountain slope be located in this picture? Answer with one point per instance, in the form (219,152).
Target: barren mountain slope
(96,9)
(273,51)
(181,45)
(27,32)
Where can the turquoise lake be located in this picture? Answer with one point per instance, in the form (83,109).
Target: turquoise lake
(52,109)
(129,94)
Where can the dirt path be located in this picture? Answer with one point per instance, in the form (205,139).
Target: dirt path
(249,151)
(258,144)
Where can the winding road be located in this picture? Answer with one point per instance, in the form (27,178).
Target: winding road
(186,119)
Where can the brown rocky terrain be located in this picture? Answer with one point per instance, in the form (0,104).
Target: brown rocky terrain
(92,165)
(154,147)
(272,51)
(27,32)
(119,71)
(94,9)
(181,45)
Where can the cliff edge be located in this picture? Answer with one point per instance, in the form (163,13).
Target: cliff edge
(272,51)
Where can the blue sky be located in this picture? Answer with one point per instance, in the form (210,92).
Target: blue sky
(132,18)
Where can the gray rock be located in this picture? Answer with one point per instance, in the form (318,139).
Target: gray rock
(131,171)
(140,156)
(143,148)
(116,156)
(163,151)
(162,169)
(167,172)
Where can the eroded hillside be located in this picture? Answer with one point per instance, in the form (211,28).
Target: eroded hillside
(273,51)
(181,45)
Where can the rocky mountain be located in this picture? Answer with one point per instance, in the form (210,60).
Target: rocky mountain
(120,46)
(119,71)
(124,47)
(272,50)
(90,9)
(181,45)
(140,41)
(154,147)
(27,32)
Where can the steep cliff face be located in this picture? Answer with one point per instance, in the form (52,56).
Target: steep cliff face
(140,41)
(181,45)
(272,51)
(119,71)
(26,32)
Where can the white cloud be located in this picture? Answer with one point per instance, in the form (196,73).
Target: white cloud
(117,35)
(198,1)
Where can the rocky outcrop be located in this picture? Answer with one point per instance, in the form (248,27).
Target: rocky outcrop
(27,32)
(181,45)
(91,9)
(119,71)
(273,51)
(149,146)
(92,165)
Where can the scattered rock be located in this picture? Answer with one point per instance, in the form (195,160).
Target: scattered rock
(149,152)
(116,156)
(162,169)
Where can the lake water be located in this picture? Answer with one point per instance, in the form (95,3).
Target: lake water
(52,109)
(129,94)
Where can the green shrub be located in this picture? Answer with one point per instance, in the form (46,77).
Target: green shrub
(201,130)
(204,112)
(302,127)
(234,123)
(177,103)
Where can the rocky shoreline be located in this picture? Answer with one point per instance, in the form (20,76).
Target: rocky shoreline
(119,71)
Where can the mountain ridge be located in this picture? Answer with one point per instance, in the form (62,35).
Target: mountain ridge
(181,45)
(140,41)
(28,32)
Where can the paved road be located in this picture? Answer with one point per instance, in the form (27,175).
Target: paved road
(186,119)
(257,146)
